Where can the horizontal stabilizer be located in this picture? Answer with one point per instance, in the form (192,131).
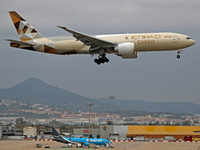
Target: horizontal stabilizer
(20,42)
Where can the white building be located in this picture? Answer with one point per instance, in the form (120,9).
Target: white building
(29,131)
(7,131)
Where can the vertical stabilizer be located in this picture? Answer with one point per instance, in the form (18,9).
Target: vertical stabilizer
(58,137)
(55,132)
(25,31)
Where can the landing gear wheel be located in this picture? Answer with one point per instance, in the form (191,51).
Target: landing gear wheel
(102,59)
(95,60)
(106,60)
(98,63)
(178,56)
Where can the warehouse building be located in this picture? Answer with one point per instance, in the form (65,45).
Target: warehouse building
(105,131)
(114,132)
(122,132)
(186,133)
(84,133)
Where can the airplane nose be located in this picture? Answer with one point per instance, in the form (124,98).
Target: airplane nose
(193,42)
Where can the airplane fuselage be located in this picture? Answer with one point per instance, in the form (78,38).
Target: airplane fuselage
(123,45)
(92,141)
(79,141)
(143,42)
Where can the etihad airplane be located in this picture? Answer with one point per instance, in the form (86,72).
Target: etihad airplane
(79,141)
(124,45)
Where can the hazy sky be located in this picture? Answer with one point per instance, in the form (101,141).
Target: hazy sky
(153,76)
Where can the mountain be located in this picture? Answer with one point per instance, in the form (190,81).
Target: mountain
(36,91)
(175,107)
(2,90)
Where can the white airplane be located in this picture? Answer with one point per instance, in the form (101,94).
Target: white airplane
(124,45)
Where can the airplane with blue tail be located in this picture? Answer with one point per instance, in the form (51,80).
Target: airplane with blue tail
(80,141)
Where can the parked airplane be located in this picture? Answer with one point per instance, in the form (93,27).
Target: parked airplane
(124,45)
(79,141)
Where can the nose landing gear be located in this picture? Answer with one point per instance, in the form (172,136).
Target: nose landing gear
(178,54)
(101,59)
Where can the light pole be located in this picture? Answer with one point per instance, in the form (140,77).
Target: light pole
(112,98)
(89,104)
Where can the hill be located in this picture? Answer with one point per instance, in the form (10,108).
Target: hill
(174,107)
(36,91)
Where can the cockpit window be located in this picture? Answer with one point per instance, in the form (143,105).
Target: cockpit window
(188,38)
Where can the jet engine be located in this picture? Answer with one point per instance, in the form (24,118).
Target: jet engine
(126,50)
(86,144)
(78,145)
(70,145)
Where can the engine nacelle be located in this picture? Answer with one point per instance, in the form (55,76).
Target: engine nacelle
(69,145)
(78,145)
(86,143)
(126,50)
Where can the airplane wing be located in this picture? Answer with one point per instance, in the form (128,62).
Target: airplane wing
(20,42)
(96,45)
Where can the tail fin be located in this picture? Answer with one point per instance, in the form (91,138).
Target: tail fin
(55,132)
(58,137)
(25,31)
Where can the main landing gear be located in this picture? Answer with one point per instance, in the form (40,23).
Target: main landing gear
(101,59)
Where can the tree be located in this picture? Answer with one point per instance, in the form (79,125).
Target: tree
(21,122)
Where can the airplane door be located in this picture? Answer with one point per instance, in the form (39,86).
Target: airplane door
(175,39)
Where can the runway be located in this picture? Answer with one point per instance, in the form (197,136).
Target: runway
(31,145)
